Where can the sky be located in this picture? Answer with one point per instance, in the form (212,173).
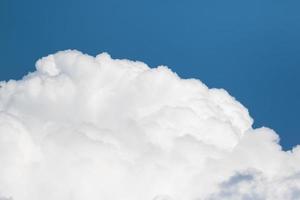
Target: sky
(249,48)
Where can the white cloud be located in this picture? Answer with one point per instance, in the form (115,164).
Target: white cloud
(83,127)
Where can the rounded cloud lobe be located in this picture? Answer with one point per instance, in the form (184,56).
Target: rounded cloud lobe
(83,127)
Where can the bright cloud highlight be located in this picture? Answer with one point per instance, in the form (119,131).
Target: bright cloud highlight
(90,128)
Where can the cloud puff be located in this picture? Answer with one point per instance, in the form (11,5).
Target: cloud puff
(83,127)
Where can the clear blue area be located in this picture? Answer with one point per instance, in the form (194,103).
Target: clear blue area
(250,48)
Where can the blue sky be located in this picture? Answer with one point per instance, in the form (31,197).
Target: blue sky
(250,48)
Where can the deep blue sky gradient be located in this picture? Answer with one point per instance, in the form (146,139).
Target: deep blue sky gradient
(250,48)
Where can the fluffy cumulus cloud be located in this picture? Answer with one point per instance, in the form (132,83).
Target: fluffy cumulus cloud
(90,128)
